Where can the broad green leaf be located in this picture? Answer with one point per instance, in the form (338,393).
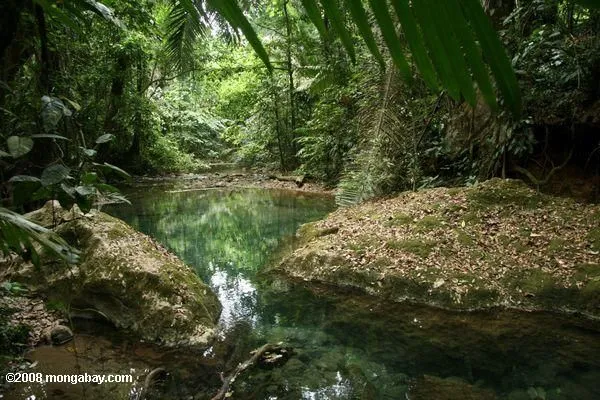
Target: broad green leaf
(54,174)
(53,110)
(472,51)
(314,13)
(361,20)
(19,145)
(415,42)
(85,190)
(495,54)
(384,20)
(105,12)
(4,154)
(332,11)
(107,137)
(24,189)
(89,178)
(69,190)
(88,152)
(75,105)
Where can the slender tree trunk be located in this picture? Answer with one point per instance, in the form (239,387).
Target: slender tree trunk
(13,49)
(290,71)
(278,132)
(134,153)
(117,88)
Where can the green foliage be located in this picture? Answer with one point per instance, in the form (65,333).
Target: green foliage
(13,338)
(556,67)
(444,42)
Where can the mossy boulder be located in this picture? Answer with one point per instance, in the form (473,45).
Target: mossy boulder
(498,243)
(126,278)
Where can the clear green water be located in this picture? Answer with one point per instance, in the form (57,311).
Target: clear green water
(346,346)
(349,346)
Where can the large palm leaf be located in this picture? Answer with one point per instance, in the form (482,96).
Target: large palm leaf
(17,234)
(453,43)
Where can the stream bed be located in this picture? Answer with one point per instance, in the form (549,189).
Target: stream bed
(345,346)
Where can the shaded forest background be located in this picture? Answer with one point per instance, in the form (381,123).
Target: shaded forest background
(88,92)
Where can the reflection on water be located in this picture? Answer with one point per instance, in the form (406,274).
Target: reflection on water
(238,298)
(226,235)
(349,347)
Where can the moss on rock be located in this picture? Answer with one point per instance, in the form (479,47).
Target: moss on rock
(131,281)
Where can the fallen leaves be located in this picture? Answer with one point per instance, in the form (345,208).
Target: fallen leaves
(462,239)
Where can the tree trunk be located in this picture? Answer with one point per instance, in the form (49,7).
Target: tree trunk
(46,69)
(290,72)
(111,125)
(13,53)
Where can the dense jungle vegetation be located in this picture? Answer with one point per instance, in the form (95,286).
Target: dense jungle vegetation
(369,98)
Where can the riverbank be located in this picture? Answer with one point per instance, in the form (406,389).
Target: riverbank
(234,179)
(497,244)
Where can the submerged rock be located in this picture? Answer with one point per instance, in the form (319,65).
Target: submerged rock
(126,278)
(59,334)
(498,243)
(431,387)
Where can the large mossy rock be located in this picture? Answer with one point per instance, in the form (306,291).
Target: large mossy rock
(498,243)
(126,278)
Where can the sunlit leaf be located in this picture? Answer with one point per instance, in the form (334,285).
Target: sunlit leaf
(106,12)
(19,145)
(107,137)
(24,178)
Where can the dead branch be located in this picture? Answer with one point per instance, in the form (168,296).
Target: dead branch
(298,180)
(541,182)
(257,355)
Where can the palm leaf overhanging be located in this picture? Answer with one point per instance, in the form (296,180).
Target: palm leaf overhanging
(17,234)
(453,43)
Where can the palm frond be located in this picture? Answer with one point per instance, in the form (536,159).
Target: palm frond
(359,15)
(231,11)
(374,169)
(17,235)
(332,11)
(184,25)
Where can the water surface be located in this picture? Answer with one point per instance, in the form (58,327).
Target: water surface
(346,346)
